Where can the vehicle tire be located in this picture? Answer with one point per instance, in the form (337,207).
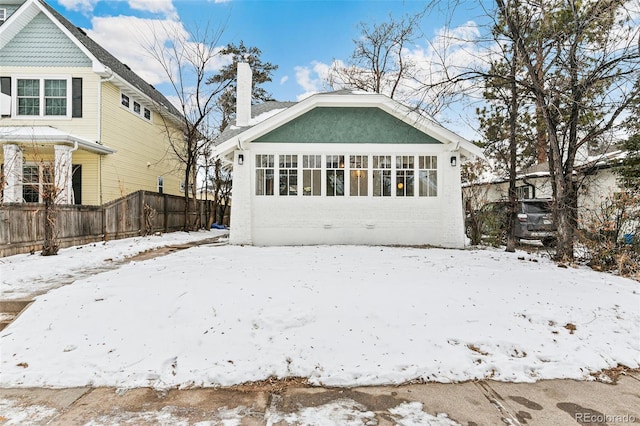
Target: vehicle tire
(549,242)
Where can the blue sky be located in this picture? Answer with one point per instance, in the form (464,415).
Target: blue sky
(302,37)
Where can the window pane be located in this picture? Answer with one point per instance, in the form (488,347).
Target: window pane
(29,88)
(55,88)
(404,183)
(259,181)
(55,97)
(28,106)
(428,176)
(335,182)
(382,183)
(311,182)
(433,183)
(316,181)
(55,106)
(358,183)
(288,182)
(28,97)
(268,187)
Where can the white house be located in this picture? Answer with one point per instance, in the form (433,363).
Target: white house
(342,168)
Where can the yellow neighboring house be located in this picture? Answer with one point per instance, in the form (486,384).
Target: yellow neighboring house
(70,107)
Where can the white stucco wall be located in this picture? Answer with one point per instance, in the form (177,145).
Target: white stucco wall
(307,220)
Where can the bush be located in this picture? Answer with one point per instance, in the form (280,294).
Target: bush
(610,235)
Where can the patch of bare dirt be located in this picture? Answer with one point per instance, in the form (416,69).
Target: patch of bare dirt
(272,385)
(611,375)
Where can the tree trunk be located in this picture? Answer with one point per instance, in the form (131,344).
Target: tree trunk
(513,114)
(50,246)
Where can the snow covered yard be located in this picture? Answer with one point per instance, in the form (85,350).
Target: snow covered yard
(23,275)
(339,315)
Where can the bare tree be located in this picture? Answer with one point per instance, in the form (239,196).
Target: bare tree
(378,63)
(188,59)
(475,195)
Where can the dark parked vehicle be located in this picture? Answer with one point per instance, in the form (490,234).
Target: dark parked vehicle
(534,220)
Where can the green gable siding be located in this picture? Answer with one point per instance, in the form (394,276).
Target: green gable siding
(347,125)
(42,44)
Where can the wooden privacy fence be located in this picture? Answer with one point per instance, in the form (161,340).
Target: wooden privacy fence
(139,213)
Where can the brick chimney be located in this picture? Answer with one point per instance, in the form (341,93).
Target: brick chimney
(243,95)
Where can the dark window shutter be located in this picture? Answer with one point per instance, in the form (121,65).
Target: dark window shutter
(5,85)
(76,97)
(76,183)
(5,88)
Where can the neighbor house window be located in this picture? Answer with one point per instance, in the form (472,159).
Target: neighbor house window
(358,173)
(381,175)
(55,97)
(288,174)
(335,175)
(28,97)
(124,100)
(428,176)
(264,174)
(311,174)
(36,180)
(404,175)
(136,107)
(161,184)
(42,97)
(147,114)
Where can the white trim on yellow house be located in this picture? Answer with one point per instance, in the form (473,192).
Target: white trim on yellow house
(49,135)
(105,128)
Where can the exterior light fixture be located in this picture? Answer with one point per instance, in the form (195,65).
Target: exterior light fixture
(454,161)
(240,159)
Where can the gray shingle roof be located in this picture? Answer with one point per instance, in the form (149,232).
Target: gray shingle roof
(256,110)
(114,64)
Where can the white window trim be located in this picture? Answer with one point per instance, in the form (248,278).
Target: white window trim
(133,101)
(41,78)
(3,14)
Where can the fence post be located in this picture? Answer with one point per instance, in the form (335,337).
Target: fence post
(165,200)
(142,225)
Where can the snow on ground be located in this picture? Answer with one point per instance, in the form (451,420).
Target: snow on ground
(339,315)
(23,275)
(12,413)
(341,412)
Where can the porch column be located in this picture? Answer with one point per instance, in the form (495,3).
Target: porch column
(62,174)
(13,162)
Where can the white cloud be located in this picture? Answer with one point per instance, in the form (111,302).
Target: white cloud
(164,7)
(125,37)
(79,5)
(284,79)
(312,79)
(129,38)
